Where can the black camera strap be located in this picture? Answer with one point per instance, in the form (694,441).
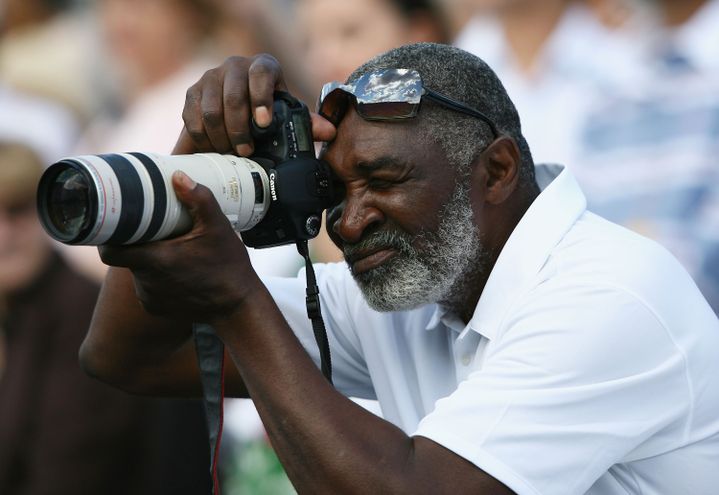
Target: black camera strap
(314,312)
(211,361)
(210,352)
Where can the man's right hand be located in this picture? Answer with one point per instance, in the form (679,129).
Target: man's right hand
(219,106)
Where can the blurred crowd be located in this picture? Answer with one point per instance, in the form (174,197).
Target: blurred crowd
(624,92)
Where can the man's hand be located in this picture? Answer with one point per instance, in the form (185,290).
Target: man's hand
(202,275)
(219,106)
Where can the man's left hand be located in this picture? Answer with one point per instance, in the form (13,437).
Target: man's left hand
(203,275)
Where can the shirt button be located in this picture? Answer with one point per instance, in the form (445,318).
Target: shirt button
(466,359)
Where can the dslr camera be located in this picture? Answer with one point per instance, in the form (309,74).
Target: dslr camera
(275,197)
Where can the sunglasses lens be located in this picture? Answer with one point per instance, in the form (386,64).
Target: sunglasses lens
(334,105)
(388,94)
(389,110)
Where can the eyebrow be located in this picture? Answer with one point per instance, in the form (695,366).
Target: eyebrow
(383,162)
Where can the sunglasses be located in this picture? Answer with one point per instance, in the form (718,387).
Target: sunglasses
(388,94)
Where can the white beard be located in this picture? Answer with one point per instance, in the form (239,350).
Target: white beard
(429,268)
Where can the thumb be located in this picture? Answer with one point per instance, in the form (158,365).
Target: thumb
(322,129)
(198,199)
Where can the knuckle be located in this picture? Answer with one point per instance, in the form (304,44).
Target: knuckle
(209,75)
(196,133)
(235,98)
(264,64)
(189,116)
(193,94)
(212,118)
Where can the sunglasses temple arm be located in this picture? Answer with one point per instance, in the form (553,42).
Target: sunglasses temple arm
(458,107)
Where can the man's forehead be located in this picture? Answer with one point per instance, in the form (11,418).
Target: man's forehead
(357,137)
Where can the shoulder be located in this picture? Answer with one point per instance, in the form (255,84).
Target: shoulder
(600,253)
(608,295)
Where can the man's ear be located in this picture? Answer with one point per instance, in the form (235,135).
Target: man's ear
(498,169)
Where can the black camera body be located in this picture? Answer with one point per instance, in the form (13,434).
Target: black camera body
(301,186)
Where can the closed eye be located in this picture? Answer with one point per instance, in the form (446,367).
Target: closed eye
(387,181)
(381,184)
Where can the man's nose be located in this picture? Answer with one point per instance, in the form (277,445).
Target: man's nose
(354,218)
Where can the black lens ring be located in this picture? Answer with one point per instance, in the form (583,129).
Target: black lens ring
(160,196)
(133,198)
(43,195)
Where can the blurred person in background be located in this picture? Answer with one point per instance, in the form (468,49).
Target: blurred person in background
(552,56)
(338,36)
(62,433)
(151,48)
(647,149)
(46,126)
(48,48)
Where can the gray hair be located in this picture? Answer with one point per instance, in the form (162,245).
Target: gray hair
(466,78)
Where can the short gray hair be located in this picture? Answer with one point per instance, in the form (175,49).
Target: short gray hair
(466,78)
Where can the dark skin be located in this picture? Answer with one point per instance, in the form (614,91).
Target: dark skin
(393,181)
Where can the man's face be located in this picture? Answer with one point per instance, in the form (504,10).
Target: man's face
(406,226)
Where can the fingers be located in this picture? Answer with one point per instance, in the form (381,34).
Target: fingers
(218,108)
(185,145)
(322,129)
(198,199)
(124,256)
(205,214)
(192,116)
(237,108)
(265,76)
(212,110)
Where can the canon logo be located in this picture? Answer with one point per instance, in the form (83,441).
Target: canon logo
(273,190)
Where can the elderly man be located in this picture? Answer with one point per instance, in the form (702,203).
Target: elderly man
(516,342)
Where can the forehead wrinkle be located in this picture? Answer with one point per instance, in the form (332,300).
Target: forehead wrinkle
(364,146)
(386,162)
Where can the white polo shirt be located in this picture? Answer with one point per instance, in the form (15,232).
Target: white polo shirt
(591,363)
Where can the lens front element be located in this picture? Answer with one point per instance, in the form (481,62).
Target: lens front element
(69,203)
(66,201)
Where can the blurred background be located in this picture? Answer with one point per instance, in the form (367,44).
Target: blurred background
(624,92)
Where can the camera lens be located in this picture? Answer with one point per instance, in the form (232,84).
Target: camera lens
(66,203)
(127,198)
(70,203)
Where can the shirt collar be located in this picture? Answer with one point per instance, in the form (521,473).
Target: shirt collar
(541,228)
(544,224)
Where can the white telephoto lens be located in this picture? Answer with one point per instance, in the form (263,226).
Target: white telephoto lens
(128,198)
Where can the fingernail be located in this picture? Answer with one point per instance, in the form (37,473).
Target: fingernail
(262,116)
(244,149)
(185,180)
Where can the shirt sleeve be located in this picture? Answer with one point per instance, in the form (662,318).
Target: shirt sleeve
(566,390)
(338,293)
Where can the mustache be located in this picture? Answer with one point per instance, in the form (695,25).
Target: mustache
(381,239)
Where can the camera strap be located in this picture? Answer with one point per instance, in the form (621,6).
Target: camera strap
(314,312)
(211,360)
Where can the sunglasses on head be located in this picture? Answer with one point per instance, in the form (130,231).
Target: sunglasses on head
(388,94)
